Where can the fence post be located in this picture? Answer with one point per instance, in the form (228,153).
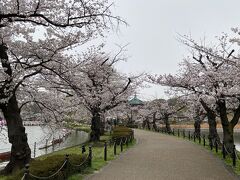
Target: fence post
(26,172)
(90,156)
(210,143)
(178,133)
(130,139)
(66,165)
(46,145)
(216,146)
(194,137)
(59,138)
(121,144)
(83,149)
(223,151)
(53,145)
(184,133)
(110,143)
(234,156)
(115,147)
(199,139)
(204,140)
(105,151)
(34,150)
(189,135)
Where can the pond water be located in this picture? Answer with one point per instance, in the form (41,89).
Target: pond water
(41,134)
(220,132)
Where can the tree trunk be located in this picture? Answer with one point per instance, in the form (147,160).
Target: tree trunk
(95,127)
(129,120)
(228,138)
(197,128)
(197,122)
(228,127)
(102,129)
(211,115)
(154,122)
(146,124)
(155,127)
(167,124)
(213,134)
(143,124)
(20,151)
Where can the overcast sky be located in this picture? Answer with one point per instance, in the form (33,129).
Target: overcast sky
(153,28)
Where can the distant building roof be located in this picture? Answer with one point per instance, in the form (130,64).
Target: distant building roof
(135,101)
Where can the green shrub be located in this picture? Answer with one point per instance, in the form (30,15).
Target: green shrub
(86,129)
(174,122)
(48,166)
(132,125)
(121,132)
(78,126)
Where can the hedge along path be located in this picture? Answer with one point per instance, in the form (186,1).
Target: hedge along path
(157,156)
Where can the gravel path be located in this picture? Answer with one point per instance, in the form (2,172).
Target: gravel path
(158,156)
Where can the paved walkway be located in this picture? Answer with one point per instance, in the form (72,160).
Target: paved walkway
(158,156)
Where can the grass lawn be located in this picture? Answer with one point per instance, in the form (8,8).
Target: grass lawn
(98,159)
(97,156)
(79,126)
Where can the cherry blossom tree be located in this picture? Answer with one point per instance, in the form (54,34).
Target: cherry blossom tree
(50,107)
(97,85)
(121,112)
(195,111)
(169,108)
(160,110)
(213,74)
(188,83)
(145,114)
(33,34)
(220,71)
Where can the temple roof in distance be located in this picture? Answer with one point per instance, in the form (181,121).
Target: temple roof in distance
(135,101)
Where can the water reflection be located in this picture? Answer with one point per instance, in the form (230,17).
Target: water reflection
(220,132)
(39,135)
